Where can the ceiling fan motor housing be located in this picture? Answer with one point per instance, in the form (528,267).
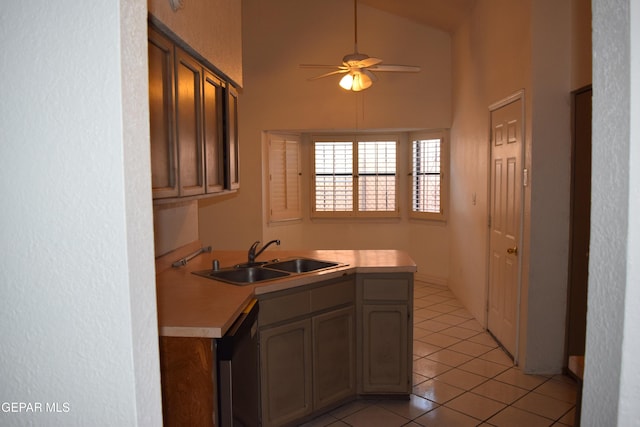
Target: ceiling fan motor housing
(353,59)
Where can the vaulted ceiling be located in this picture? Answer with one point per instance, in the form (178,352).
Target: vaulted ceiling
(445,15)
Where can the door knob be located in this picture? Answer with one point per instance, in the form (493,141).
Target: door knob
(513,250)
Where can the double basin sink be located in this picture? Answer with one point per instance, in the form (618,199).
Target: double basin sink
(246,274)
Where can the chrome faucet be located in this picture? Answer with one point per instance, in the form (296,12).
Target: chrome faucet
(252,250)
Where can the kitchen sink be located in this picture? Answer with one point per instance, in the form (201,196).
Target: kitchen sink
(256,272)
(242,275)
(300,265)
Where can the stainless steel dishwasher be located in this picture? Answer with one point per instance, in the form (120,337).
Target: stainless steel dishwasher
(238,371)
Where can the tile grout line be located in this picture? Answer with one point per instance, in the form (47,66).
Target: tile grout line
(487,379)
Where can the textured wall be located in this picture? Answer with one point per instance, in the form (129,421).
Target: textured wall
(77,306)
(630,378)
(612,377)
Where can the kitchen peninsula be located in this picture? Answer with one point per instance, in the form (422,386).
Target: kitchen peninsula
(347,329)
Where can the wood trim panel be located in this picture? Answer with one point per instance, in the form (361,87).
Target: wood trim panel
(188,377)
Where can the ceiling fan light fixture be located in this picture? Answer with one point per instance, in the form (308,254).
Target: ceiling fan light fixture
(356,81)
(346,82)
(361,81)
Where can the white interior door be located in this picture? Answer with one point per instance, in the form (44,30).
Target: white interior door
(505,223)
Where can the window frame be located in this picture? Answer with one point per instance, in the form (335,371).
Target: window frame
(444,175)
(355,139)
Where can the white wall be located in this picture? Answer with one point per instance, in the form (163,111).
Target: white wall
(545,286)
(278,36)
(77,314)
(612,375)
(210,27)
(488,66)
(504,47)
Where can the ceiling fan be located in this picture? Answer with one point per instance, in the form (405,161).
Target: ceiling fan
(358,67)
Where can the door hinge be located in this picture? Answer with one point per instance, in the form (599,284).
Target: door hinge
(489,221)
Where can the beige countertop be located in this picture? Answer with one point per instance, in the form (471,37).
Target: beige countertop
(195,306)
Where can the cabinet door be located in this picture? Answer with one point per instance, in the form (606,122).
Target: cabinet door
(163,145)
(213,134)
(188,117)
(232,148)
(334,359)
(285,372)
(385,367)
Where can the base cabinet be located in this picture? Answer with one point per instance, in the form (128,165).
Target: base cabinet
(320,345)
(384,349)
(285,370)
(307,350)
(385,345)
(334,356)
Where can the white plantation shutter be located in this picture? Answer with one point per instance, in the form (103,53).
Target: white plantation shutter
(355,177)
(333,176)
(284,178)
(377,176)
(428,169)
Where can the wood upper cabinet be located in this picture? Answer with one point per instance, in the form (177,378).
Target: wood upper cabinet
(164,180)
(232,157)
(189,124)
(194,124)
(385,304)
(213,132)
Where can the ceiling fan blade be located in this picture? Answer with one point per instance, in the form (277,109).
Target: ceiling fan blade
(321,66)
(395,68)
(369,74)
(369,62)
(331,73)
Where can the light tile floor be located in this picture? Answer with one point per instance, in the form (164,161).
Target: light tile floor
(461,377)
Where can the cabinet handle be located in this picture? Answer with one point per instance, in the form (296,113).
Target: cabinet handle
(513,250)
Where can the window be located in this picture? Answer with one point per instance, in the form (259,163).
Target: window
(355,176)
(427,176)
(284,178)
